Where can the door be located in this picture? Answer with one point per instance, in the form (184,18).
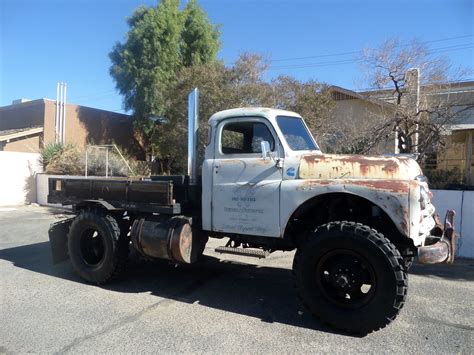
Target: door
(246,187)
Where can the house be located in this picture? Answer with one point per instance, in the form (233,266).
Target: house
(26,126)
(364,108)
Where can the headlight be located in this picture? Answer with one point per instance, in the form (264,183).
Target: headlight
(424,197)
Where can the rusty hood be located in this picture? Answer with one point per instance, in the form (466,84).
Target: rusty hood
(332,166)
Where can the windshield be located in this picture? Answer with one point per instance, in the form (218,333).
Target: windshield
(296,133)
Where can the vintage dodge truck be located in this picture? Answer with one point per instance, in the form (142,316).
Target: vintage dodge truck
(356,222)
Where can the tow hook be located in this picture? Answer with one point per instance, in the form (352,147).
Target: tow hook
(444,250)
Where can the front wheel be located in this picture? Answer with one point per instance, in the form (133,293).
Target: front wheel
(350,277)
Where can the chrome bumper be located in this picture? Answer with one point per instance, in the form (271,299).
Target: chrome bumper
(442,251)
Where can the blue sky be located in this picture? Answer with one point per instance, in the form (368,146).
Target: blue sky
(45,41)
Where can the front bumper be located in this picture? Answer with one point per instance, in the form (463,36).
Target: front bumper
(444,247)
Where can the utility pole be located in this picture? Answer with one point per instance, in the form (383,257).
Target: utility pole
(413,102)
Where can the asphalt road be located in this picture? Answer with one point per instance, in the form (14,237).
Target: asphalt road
(231,305)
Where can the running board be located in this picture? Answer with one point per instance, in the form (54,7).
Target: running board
(256,253)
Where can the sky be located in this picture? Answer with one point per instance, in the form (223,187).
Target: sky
(46,41)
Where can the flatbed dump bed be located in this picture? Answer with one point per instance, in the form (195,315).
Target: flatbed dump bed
(164,194)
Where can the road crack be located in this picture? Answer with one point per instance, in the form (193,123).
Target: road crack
(134,317)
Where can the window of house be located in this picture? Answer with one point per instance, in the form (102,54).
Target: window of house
(245,138)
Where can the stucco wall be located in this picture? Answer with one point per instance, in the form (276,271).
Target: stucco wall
(17,178)
(85,125)
(26,145)
(355,117)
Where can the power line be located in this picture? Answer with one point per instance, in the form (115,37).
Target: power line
(354,61)
(359,51)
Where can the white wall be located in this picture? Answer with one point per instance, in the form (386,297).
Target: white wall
(463,203)
(17,177)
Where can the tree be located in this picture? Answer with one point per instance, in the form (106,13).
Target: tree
(200,39)
(220,88)
(160,41)
(240,85)
(417,116)
(310,99)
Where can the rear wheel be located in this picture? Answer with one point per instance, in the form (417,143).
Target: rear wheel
(97,247)
(350,277)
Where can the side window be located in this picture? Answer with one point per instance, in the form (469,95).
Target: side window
(245,138)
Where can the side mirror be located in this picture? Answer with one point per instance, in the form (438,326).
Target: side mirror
(265,146)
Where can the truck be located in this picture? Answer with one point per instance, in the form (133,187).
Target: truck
(356,222)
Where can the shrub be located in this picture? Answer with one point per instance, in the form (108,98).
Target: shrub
(49,152)
(69,159)
(97,163)
(444,179)
(60,159)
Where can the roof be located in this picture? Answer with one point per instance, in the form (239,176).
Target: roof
(461,127)
(359,96)
(444,87)
(8,134)
(250,111)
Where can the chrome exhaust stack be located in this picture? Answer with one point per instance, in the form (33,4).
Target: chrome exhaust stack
(193,126)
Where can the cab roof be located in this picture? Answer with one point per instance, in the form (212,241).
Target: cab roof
(269,113)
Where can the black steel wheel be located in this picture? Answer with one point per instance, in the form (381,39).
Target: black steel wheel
(346,278)
(97,247)
(350,277)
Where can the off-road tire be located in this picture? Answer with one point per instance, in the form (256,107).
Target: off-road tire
(115,243)
(381,255)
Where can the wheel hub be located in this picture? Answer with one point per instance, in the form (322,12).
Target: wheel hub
(345,278)
(92,247)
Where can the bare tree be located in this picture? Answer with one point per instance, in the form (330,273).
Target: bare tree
(421,104)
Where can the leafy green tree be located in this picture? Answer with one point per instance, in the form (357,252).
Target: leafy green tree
(200,38)
(160,41)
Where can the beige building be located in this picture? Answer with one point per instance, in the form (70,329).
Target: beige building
(28,126)
(362,109)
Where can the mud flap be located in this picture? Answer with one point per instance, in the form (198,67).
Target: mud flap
(58,240)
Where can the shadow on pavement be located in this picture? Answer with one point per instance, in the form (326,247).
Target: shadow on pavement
(261,292)
(462,269)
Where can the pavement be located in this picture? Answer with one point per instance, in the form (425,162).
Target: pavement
(228,305)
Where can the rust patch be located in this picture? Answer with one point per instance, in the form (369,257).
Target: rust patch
(357,166)
(395,186)
(230,161)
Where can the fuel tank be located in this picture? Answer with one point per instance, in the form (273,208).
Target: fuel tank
(170,239)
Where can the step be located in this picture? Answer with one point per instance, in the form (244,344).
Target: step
(256,253)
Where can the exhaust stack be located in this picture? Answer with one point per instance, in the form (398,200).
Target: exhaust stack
(193,125)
